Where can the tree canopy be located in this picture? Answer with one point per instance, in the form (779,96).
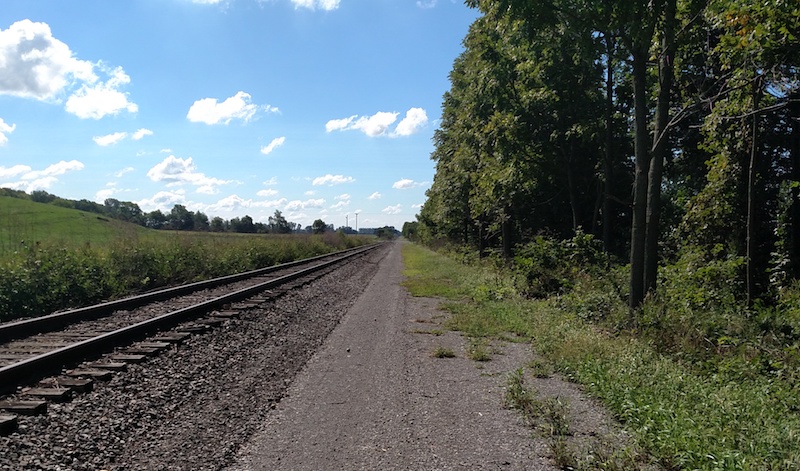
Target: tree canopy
(659,127)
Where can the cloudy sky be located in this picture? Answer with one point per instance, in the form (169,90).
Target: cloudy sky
(317,108)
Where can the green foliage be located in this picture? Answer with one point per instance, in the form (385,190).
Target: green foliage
(319,226)
(443,352)
(700,298)
(549,266)
(42,278)
(725,398)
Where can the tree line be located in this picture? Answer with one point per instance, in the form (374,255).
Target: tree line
(661,127)
(179,218)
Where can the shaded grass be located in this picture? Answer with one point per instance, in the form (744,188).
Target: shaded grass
(684,418)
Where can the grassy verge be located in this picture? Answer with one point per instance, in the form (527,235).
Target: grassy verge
(685,418)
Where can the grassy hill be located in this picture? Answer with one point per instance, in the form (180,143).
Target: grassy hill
(29,221)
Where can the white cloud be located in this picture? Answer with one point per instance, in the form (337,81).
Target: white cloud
(343,196)
(59,168)
(102,98)
(34,64)
(271,182)
(416,206)
(269,192)
(426,4)
(124,171)
(176,171)
(234,205)
(163,200)
(310,193)
(379,123)
(403,184)
(109,139)
(375,196)
(140,133)
(407,184)
(5,129)
(277,142)
(30,180)
(114,138)
(326,5)
(332,180)
(341,204)
(415,119)
(396,209)
(339,124)
(14,171)
(210,111)
(307,204)
(104,194)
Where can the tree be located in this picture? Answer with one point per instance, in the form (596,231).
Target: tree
(156,220)
(278,224)
(318,226)
(217,224)
(200,221)
(180,218)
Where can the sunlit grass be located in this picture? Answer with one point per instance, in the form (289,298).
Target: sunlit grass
(684,418)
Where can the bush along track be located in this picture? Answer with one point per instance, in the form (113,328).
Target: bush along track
(731,406)
(38,279)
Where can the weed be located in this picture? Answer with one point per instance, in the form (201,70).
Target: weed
(555,413)
(563,455)
(443,352)
(435,332)
(540,368)
(477,350)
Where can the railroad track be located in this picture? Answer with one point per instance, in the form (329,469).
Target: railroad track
(68,344)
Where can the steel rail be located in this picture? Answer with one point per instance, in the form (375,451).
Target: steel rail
(43,364)
(26,327)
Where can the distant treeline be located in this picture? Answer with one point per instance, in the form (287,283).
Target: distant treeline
(178,219)
(181,219)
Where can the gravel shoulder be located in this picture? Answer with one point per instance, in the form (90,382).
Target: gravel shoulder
(374,397)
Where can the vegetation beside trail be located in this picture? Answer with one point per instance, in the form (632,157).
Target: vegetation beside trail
(700,383)
(55,258)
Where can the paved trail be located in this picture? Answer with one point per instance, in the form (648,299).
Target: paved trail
(374,398)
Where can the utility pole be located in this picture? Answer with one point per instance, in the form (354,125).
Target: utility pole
(346,220)
(356,222)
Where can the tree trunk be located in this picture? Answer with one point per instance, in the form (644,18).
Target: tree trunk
(660,148)
(752,223)
(506,228)
(794,154)
(642,168)
(608,161)
(573,191)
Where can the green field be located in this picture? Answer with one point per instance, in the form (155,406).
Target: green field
(25,221)
(54,258)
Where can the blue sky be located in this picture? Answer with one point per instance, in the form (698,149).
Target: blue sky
(318,108)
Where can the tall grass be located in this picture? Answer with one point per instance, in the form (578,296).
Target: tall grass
(729,408)
(39,278)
